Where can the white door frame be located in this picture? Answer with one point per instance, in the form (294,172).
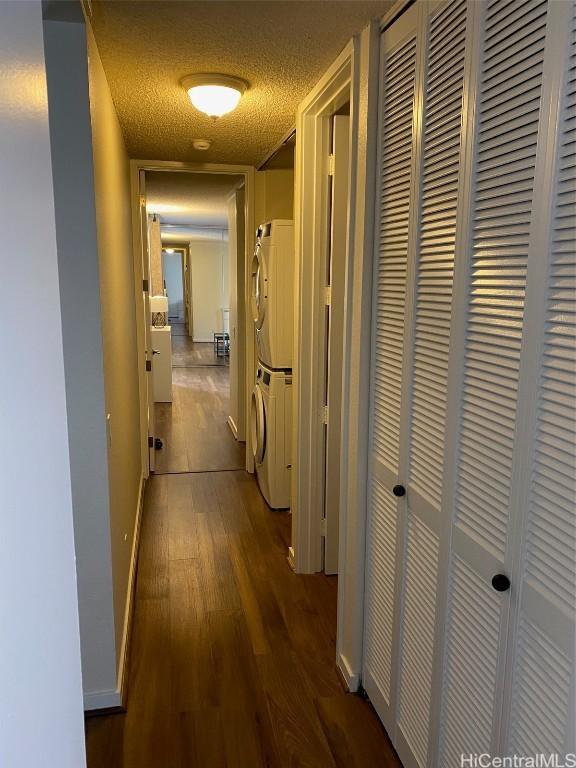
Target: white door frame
(212,168)
(353,75)
(311,241)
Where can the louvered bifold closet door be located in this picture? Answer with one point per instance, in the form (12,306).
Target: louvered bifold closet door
(488,317)
(398,61)
(426,368)
(419,179)
(541,697)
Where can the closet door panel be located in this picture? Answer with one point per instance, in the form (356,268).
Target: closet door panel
(542,718)
(398,61)
(508,110)
(417,639)
(396,167)
(502,212)
(434,277)
(426,370)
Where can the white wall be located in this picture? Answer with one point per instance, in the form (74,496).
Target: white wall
(172,267)
(41,721)
(209,279)
(72,167)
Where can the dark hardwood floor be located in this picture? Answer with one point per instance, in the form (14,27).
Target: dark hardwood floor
(187,353)
(232,661)
(194,426)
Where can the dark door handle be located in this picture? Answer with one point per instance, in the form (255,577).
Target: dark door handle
(399,490)
(501,582)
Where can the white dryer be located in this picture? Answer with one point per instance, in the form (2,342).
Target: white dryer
(270,428)
(273,293)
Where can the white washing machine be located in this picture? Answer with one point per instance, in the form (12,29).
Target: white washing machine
(273,293)
(270,432)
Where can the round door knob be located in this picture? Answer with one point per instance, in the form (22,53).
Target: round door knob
(501,583)
(399,490)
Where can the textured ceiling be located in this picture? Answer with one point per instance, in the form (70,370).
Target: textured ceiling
(188,202)
(281,47)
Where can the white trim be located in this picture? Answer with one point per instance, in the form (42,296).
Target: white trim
(116,697)
(233,427)
(351,678)
(110,699)
(311,235)
(357,349)
(129,608)
(394,13)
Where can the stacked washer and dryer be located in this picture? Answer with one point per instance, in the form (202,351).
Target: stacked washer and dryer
(273,313)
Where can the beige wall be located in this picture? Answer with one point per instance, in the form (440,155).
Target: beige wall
(155,249)
(112,188)
(209,283)
(274,195)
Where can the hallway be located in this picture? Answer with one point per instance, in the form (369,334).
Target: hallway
(193,427)
(232,659)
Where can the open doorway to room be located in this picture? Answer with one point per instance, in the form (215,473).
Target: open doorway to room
(195,282)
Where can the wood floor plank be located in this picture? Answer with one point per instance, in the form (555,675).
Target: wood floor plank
(296,724)
(153,577)
(249,733)
(354,733)
(191,662)
(186,501)
(194,427)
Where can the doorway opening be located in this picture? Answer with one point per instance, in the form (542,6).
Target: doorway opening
(193,287)
(190,253)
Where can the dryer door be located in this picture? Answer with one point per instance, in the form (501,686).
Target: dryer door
(258,290)
(258,425)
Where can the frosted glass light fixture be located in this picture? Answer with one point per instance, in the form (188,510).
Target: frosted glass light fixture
(215,95)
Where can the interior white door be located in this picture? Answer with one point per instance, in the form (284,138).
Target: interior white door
(335,311)
(540,699)
(395,156)
(148,351)
(496,325)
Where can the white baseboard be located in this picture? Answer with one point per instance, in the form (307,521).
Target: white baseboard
(123,658)
(116,698)
(111,699)
(352,679)
(233,427)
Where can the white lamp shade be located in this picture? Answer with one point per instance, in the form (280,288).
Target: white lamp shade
(158,303)
(214,100)
(214,94)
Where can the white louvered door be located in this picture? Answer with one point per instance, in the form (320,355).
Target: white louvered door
(473,399)
(489,318)
(540,713)
(423,75)
(427,338)
(398,58)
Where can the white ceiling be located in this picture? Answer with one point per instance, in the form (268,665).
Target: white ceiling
(190,205)
(281,47)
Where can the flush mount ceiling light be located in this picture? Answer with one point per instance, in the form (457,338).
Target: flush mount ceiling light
(215,95)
